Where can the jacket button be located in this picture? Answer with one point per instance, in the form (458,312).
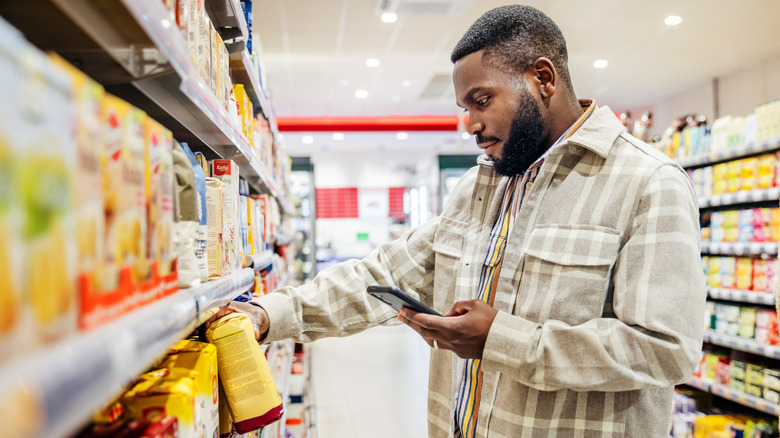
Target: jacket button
(529,184)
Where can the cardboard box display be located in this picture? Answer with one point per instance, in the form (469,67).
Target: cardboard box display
(215,227)
(227,172)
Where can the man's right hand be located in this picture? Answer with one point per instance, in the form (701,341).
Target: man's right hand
(256,314)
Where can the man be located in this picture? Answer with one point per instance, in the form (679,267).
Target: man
(567,260)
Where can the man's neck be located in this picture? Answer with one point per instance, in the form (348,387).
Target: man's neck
(563,118)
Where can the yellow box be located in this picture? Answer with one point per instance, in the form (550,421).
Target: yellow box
(200,357)
(165,392)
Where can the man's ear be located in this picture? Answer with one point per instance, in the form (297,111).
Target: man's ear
(546,77)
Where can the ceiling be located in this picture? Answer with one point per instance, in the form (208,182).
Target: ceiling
(315,54)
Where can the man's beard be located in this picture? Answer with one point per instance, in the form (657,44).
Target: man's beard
(524,145)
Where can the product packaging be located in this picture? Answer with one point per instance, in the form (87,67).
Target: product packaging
(45,175)
(201,252)
(213,62)
(227,172)
(171,392)
(250,390)
(194,15)
(215,227)
(201,358)
(186,216)
(204,47)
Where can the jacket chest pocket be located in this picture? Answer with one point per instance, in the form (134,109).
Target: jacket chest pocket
(566,273)
(448,246)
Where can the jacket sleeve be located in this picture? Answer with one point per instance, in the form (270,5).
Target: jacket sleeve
(655,338)
(335,302)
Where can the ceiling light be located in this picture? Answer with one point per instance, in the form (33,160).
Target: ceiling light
(600,63)
(402,136)
(361,94)
(389,17)
(337,136)
(465,136)
(307,139)
(673,20)
(406,83)
(372,62)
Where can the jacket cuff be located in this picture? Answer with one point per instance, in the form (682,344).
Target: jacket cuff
(282,320)
(508,343)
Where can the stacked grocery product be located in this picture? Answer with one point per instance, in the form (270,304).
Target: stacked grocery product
(741,372)
(692,137)
(689,420)
(742,273)
(749,225)
(747,322)
(735,176)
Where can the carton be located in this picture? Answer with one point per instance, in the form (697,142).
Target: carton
(164,392)
(159,193)
(201,358)
(46,171)
(214,62)
(204,47)
(194,15)
(227,172)
(215,227)
(201,247)
(250,390)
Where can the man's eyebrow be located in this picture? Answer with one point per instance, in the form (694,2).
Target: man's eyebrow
(470,95)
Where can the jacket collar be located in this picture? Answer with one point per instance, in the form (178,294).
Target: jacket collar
(598,133)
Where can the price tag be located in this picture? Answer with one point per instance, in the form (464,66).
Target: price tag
(760,404)
(741,398)
(744,196)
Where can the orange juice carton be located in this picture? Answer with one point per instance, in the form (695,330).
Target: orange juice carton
(46,177)
(227,172)
(215,229)
(749,174)
(242,365)
(12,289)
(767,171)
(165,392)
(744,273)
(200,357)
(733,176)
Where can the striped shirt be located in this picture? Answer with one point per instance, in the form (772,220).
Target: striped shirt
(600,296)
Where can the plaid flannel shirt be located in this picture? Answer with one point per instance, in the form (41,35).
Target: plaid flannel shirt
(600,298)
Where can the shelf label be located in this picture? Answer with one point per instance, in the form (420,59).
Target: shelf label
(744,196)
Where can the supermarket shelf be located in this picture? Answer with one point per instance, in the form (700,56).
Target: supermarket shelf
(742,344)
(228,14)
(771,194)
(740,397)
(216,293)
(743,296)
(262,261)
(748,149)
(74,378)
(739,248)
(280,360)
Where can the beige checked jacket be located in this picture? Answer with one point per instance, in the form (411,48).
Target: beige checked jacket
(600,298)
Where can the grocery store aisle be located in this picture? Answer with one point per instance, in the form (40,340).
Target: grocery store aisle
(373,384)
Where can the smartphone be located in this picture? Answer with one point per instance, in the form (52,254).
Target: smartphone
(396,299)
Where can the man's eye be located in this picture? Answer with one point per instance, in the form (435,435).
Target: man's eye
(482,102)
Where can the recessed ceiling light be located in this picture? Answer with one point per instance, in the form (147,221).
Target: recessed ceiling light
(372,62)
(465,136)
(402,136)
(673,20)
(600,63)
(389,17)
(406,83)
(307,139)
(343,82)
(337,136)
(361,94)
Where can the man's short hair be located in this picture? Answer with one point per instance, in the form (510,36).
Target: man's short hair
(515,36)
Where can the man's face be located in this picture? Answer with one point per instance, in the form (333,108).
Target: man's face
(503,114)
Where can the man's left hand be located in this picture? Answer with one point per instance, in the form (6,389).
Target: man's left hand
(464,329)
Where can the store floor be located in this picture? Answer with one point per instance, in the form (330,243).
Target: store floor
(373,384)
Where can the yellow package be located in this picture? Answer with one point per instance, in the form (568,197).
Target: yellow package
(124,191)
(733,176)
(165,392)
(744,273)
(159,193)
(201,358)
(749,174)
(719,178)
(767,165)
(250,390)
(45,176)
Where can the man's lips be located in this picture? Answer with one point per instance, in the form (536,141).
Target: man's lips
(487,144)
